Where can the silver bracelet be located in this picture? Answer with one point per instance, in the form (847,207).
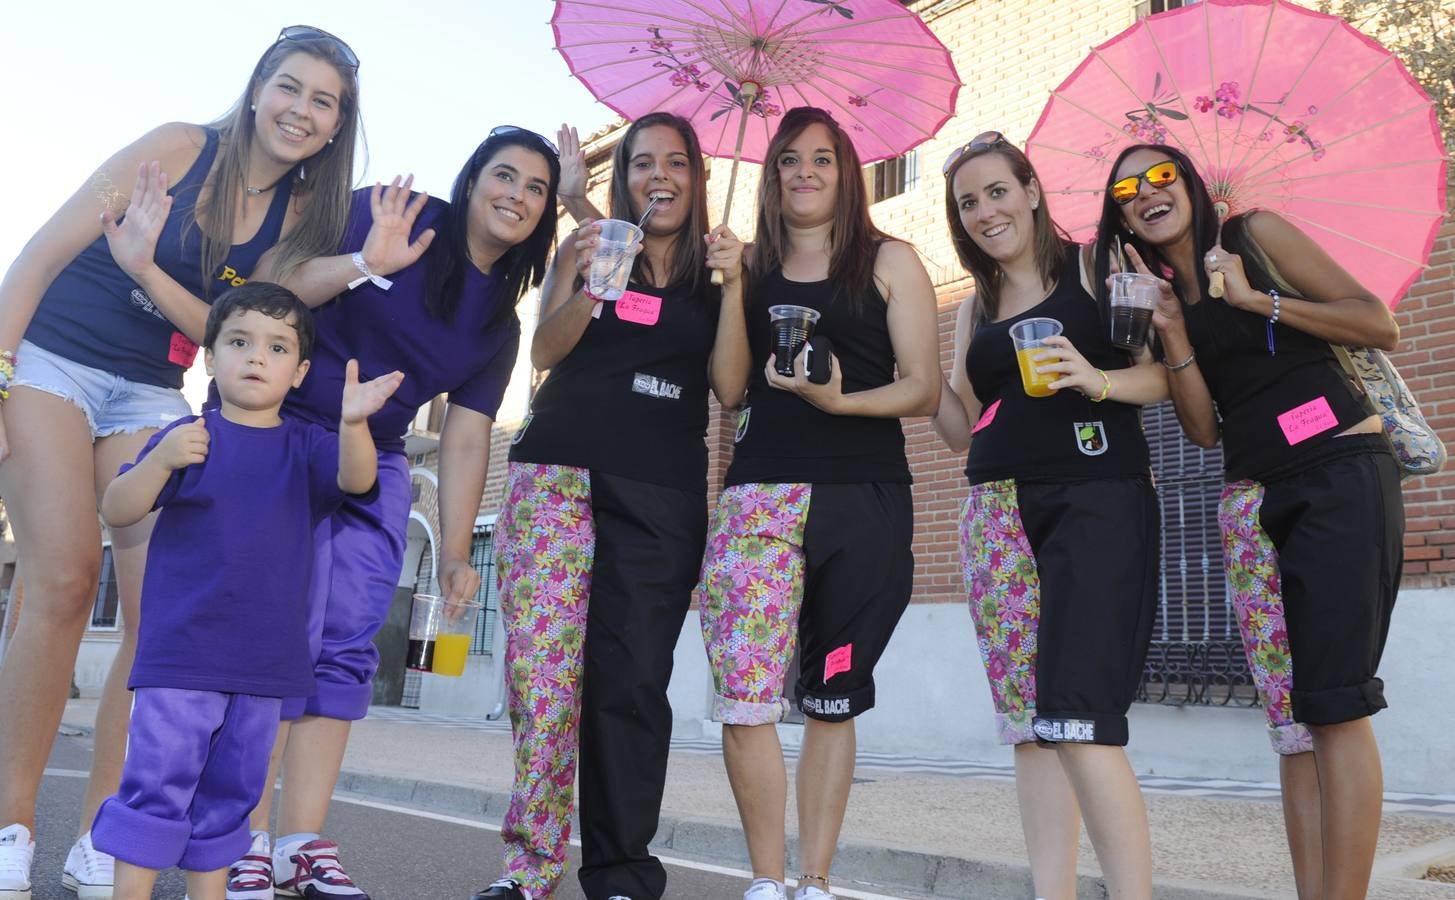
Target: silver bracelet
(1191,358)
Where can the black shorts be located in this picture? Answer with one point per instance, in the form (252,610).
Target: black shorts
(825,568)
(1319,552)
(1062,579)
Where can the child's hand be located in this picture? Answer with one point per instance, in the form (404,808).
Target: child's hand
(183,446)
(363,400)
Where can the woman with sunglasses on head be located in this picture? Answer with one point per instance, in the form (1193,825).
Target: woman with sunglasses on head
(1311,511)
(605,514)
(429,289)
(810,544)
(1059,536)
(95,319)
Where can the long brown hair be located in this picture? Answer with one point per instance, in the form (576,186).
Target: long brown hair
(853,238)
(326,177)
(689,244)
(1049,241)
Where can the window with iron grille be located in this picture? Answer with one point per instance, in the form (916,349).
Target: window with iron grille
(893,177)
(1196,656)
(1146,8)
(104,608)
(482,557)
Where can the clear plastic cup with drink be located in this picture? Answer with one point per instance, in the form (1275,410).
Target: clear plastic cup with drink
(457,630)
(1133,297)
(611,263)
(1028,336)
(440,632)
(792,327)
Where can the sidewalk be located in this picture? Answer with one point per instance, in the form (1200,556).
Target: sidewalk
(926,828)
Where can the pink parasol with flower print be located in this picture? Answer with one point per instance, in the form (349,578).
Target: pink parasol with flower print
(732,67)
(1282,108)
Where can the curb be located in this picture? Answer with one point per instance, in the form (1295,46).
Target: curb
(874,867)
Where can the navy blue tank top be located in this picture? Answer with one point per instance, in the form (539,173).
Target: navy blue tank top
(1064,436)
(784,439)
(95,315)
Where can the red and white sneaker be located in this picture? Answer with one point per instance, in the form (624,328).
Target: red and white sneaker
(251,878)
(315,872)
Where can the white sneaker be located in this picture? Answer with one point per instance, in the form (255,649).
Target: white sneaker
(812,892)
(17,851)
(251,878)
(766,889)
(312,869)
(89,873)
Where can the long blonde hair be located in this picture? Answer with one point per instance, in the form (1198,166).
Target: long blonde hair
(326,177)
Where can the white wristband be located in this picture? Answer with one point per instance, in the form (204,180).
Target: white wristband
(379,281)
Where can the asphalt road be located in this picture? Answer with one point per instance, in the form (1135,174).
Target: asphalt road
(393,852)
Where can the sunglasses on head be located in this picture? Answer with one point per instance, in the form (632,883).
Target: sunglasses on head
(516,129)
(980,142)
(1125,190)
(309,33)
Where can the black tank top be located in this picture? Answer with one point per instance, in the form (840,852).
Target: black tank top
(630,399)
(1064,436)
(1276,408)
(784,439)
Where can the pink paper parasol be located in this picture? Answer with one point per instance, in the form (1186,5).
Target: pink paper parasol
(872,63)
(1282,108)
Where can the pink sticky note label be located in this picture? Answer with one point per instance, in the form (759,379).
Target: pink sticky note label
(840,660)
(643,309)
(182,351)
(1303,422)
(986,417)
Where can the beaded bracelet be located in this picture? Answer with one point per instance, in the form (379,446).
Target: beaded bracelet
(1272,292)
(1106,386)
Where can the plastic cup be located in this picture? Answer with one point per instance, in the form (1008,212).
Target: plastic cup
(792,327)
(457,629)
(611,264)
(1029,336)
(424,627)
(1133,297)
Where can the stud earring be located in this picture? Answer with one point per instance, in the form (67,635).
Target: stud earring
(253,107)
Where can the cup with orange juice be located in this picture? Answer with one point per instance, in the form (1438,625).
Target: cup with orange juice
(440,631)
(1029,336)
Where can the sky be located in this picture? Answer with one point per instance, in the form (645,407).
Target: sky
(79,81)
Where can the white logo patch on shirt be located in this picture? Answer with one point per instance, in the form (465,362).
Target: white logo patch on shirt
(653,386)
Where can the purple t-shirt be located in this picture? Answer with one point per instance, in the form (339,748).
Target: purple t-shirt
(388,330)
(224,600)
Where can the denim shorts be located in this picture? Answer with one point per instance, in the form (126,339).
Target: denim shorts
(110,403)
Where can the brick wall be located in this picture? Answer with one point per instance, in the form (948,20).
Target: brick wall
(1426,358)
(1009,62)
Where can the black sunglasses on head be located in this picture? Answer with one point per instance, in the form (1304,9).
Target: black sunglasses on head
(983,141)
(516,129)
(309,33)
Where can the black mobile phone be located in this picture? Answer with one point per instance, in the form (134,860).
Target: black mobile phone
(818,359)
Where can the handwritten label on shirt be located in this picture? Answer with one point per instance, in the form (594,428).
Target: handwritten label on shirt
(182,351)
(1303,422)
(840,660)
(643,309)
(986,417)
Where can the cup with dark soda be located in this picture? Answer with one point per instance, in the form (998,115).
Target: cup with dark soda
(1133,297)
(792,327)
(424,629)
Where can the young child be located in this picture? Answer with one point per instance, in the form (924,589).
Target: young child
(239,490)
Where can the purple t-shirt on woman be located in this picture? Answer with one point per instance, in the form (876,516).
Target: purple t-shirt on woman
(388,330)
(224,601)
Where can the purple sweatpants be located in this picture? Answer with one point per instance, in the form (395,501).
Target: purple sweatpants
(196,763)
(358,553)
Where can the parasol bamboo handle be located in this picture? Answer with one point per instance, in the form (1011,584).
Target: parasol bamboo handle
(1215,287)
(747,93)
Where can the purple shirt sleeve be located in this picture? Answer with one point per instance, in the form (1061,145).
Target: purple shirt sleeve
(169,490)
(485,390)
